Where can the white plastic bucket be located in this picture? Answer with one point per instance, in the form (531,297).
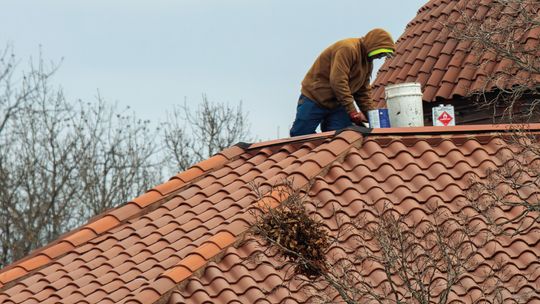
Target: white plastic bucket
(404,102)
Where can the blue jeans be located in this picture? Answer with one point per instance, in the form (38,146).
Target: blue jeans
(309,115)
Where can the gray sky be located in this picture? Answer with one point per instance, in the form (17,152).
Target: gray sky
(154,54)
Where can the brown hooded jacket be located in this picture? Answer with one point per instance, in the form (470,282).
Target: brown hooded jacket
(341,74)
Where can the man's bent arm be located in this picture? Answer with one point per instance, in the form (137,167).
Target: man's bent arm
(339,77)
(363,99)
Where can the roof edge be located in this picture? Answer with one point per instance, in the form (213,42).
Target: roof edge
(285,140)
(112,218)
(456,129)
(391,131)
(356,128)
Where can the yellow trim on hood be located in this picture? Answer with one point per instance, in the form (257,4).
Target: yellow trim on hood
(379,51)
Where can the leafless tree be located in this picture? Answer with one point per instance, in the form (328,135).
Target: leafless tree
(119,159)
(514,186)
(505,37)
(193,135)
(17,88)
(62,162)
(504,34)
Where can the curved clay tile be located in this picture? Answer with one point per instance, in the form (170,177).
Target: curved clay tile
(428,53)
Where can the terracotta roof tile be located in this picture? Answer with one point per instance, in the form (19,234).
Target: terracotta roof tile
(426,47)
(443,182)
(185,240)
(115,217)
(170,186)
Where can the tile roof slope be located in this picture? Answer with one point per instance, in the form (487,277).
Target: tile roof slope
(138,251)
(110,219)
(185,241)
(411,171)
(426,53)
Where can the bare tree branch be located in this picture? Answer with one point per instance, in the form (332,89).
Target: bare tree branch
(504,35)
(193,135)
(60,162)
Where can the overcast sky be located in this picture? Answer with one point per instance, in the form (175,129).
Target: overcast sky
(154,54)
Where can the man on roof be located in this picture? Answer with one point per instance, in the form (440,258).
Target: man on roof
(338,79)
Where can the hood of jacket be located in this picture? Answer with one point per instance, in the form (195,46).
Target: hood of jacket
(377,39)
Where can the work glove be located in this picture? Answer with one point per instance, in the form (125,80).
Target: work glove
(357,117)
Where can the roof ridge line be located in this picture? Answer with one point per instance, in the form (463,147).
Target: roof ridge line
(302,138)
(359,129)
(104,222)
(209,251)
(352,137)
(428,130)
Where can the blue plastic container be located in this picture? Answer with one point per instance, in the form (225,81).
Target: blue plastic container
(379,118)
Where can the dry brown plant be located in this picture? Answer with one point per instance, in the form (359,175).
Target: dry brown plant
(423,260)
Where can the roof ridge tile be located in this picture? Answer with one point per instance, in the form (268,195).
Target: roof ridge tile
(206,251)
(433,24)
(296,139)
(111,219)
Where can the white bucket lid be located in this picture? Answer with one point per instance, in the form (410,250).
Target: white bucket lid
(403,89)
